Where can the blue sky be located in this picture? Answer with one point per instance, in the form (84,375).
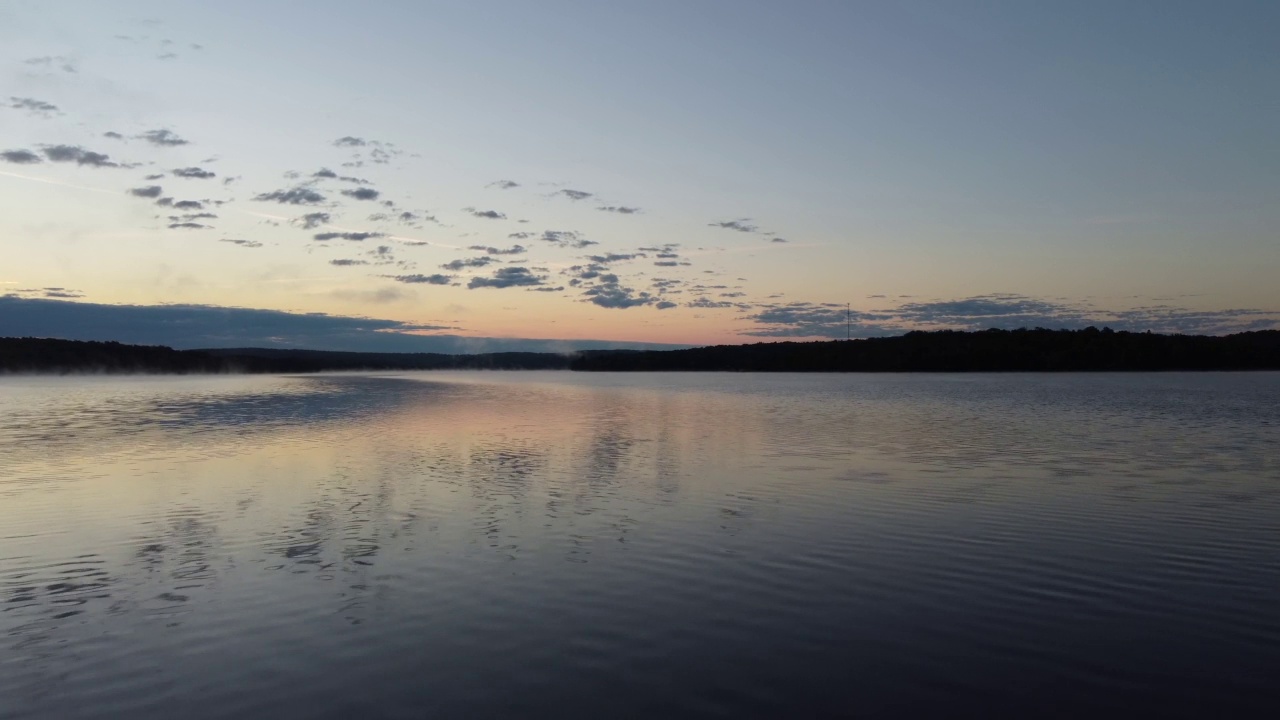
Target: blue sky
(933,164)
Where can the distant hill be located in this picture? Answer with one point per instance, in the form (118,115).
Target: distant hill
(43,355)
(1036,350)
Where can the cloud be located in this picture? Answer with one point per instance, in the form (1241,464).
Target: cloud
(362,193)
(614,296)
(113,135)
(162,138)
(187,226)
(504,184)
(78,155)
(513,250)
(507,277)
(419,279)
(313,220)
(468,263)
(20,157)
(515,235)
(566,238)
(194,172)
(665,305)
(620,209)
(242,243)
(324,173)
(349,141)
(574,194)
(212,326)
(293,196)
(779,240)
(741,225)
(614,257)
(487,214)
(62,62)
(33,106)
(188,205)
(150,191)
(344,262)
(354,236)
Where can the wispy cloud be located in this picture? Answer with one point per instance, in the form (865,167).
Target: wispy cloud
(741,225)
(34,106)
(419,279)
(354,236)
(162,138)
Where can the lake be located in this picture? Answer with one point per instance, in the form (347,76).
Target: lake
(682,545)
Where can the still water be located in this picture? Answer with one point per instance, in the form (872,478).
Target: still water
(558,544)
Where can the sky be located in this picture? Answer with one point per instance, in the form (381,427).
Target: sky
(449,176)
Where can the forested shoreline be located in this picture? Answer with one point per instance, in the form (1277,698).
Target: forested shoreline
(1035,350)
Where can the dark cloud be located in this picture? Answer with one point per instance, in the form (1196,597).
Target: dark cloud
(354,236)
(150,191)
(20,157)
(614,257)
(462,263)
(665,305)
(513,250)
(293,196)
(324,173)
(162,138)
(167,56)
(507,277)
(741,225)
(313,220)
(33,106)
(614,296)
(620,209)
(242,243)
(487,214)
(419,279)
(344,262)
(155,176)
(574,194)
(209,326)
(113,135)
(77,155)
(187,226)
(165,202)
(515,235)
(349,141)
(504,184)
(194,172)
(362,193)
(779,240)
(193,216)
(666,263)
(188,205)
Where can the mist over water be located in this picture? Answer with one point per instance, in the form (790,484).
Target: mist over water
(558,544)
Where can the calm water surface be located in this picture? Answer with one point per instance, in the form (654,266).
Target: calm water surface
(556,544)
